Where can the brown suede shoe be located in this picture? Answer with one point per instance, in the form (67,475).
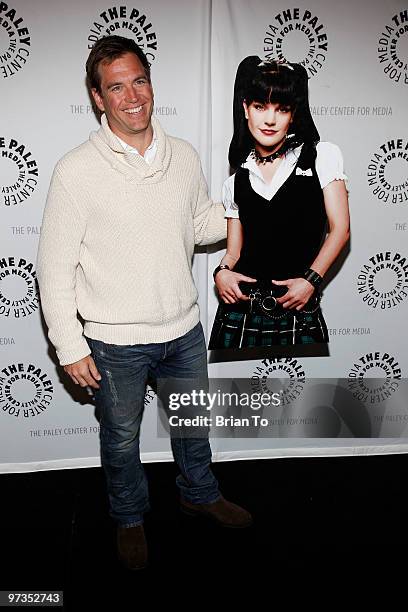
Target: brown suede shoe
(223,512)
(132,547)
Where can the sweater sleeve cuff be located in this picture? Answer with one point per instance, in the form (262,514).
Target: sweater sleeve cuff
(74,354)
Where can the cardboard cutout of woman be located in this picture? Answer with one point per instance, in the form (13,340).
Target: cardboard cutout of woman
(287,211)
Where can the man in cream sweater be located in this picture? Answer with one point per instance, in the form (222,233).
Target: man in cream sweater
(123,214)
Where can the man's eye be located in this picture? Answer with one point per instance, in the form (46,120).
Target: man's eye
(258,106)
(115,89)
(141,82)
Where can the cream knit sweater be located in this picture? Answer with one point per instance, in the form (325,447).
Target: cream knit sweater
(117,243)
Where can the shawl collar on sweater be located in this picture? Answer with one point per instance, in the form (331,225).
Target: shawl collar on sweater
(132,166)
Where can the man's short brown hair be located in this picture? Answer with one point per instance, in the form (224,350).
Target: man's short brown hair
(106,50)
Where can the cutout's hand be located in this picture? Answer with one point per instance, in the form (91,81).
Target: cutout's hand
(298,294)
(227,285)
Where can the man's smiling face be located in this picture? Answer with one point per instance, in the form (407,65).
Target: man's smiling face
(126,97)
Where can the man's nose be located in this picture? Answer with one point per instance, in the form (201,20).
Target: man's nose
(131,93)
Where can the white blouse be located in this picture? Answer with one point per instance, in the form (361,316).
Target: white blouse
(329,167)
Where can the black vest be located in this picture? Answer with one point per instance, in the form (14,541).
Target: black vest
(282,236)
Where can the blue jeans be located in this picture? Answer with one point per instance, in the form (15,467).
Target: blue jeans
(120,402)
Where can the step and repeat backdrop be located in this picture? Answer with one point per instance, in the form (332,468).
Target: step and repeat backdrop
(356,56)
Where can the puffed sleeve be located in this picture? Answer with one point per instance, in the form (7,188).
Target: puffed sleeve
(231,208)
(329,163)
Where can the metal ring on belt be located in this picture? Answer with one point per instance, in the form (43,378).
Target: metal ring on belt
(265,303)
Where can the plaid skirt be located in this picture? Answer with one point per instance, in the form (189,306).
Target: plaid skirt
(236,327)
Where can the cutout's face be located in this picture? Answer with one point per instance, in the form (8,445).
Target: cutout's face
(126,96)
(268,123)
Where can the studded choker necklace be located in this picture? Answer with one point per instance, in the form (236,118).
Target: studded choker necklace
(269,158)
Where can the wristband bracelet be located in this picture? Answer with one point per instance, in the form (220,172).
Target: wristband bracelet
(313,277)
(220,267)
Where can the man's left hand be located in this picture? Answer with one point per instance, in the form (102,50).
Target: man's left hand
(298,294)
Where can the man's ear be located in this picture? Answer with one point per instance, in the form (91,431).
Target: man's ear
(98,99)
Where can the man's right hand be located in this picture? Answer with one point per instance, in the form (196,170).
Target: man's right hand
(84,372)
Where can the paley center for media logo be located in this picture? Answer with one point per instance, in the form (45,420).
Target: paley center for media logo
(383,281)
(387,172)
(19,171)
(392,46)
(26,391)
(373,377)
(15,53)
(125,21)
(19,296)
(283,375)
(297,35)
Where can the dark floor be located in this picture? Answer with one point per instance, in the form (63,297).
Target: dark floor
(315,516)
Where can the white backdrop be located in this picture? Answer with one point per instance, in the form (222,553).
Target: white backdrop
(356,56)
